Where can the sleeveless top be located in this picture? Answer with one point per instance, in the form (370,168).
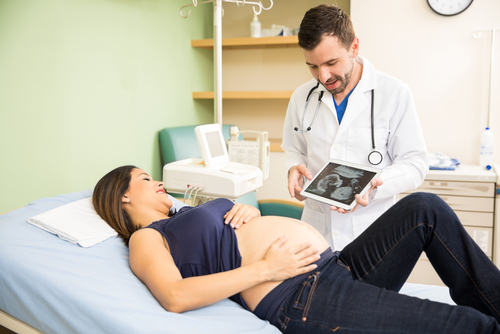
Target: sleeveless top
(201,244)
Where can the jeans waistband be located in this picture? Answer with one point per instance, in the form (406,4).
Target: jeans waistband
(270,306)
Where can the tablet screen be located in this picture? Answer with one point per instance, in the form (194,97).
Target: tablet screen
(340,183)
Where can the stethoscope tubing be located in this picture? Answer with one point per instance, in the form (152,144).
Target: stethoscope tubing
(375,157)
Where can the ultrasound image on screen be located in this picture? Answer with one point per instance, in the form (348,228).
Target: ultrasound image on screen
(340,183)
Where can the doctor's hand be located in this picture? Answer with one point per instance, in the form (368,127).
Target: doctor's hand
(296,180)
(240,214)
(363,201)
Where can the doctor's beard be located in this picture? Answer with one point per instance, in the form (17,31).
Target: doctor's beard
(344,81)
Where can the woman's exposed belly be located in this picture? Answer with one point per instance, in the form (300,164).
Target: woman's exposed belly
(255,238)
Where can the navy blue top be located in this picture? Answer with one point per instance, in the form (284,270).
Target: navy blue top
(200,242)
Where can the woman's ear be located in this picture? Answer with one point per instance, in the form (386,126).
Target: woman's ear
(125,199)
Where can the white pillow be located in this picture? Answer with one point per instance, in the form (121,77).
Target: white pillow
(79,223)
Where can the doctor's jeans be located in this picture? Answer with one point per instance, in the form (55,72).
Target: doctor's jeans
(356,291)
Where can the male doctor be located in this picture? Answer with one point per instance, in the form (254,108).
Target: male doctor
(337,123)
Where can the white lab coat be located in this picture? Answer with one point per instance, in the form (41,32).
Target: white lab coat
(398,136)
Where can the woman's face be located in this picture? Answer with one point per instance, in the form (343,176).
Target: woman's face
(145,193)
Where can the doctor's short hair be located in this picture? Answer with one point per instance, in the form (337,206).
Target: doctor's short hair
(329,20)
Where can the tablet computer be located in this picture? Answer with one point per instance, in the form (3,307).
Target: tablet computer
(338,181)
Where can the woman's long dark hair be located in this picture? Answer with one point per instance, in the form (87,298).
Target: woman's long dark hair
(107,201)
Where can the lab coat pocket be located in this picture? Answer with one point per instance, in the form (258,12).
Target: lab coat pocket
(361,223)
(315,218)
(359,143)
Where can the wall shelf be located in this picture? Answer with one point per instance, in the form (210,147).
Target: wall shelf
(275,144)
(263,95)
(248,42)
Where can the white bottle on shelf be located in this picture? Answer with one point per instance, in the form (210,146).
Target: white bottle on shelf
(255,27)
(486,155)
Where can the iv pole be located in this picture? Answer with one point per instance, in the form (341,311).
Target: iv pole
(218,61)
(218,13)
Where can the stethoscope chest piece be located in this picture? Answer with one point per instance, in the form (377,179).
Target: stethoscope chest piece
(375,158)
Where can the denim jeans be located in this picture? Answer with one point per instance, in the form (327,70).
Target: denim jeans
(356,292)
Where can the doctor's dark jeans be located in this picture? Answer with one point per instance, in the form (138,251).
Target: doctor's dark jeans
(356,291)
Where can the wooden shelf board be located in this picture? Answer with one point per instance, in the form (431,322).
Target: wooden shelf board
(275,144)
(248,42)
(245,95)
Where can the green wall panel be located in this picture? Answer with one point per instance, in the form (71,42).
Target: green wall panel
(86,85)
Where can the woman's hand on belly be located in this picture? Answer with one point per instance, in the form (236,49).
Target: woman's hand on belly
(240,214)
(261,239)
(285,261)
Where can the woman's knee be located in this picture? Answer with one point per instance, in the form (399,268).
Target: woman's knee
(426,202)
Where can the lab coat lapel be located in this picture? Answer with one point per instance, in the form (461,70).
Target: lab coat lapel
(327,100)
(358,100)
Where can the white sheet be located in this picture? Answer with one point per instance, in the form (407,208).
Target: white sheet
(57,287)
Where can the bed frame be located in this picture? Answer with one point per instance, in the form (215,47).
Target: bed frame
(15,325)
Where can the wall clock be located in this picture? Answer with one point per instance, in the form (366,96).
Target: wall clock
(449,7)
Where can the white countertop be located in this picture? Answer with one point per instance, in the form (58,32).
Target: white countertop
(473,173)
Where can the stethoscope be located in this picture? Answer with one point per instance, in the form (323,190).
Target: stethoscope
(374,158)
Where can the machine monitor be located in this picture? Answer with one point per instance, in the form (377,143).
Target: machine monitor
(212,146)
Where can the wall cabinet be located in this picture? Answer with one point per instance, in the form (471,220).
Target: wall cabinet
(470,191)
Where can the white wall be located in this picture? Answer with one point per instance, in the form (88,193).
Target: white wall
(445,66)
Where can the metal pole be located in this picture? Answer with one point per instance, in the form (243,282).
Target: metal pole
(218,61)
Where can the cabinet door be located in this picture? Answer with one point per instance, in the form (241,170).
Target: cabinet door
(479,189)
(484,219)
(424,273)
(474,204)
(481,204)
(483,237)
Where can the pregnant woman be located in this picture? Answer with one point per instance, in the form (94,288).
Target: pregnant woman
(282,269)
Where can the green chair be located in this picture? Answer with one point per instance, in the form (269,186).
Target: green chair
(178,143)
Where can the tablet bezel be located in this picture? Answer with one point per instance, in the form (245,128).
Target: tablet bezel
(377,172)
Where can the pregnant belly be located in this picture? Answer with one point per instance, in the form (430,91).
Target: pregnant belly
(255,238)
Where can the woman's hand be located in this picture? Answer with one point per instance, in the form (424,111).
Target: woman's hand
(240,214)
(286,262)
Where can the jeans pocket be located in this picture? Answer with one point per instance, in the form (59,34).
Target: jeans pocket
(305,294)
(342,264)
